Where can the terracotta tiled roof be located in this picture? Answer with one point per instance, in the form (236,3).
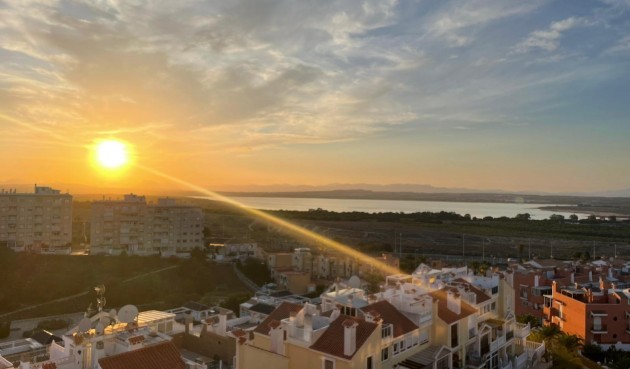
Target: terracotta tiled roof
(481,296)
(274,324)
(136,340)
(447,315)
(281,312)
(391,315)
(331,341)
(163,355)
(49,366)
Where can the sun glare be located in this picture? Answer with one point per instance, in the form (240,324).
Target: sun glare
(111,154)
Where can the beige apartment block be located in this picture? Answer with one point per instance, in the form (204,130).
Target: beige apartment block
(40,221)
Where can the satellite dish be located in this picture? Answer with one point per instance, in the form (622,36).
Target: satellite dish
(100,328)
(354,282)
(127,314)
(85,325)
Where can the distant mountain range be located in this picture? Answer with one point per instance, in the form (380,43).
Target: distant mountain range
(337,190)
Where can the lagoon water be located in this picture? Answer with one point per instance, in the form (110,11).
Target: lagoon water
(475,209)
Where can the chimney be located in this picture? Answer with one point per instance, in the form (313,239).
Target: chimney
(277,337)
(188,321)
(590,276)
(536,280)
(572,277)
(308,327)
(222,323)
(453,302)
(610,272)
(349,337)
(335,314)
(602,284)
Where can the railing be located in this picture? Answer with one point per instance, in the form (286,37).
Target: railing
(522,330)
(603,328)
(521,360)
(499,341)
(508,365)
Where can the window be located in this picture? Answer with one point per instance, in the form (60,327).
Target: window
(386,331)
(494,306)
(396,348)
(454,338)
(385,354)
(329,364)
(368,363)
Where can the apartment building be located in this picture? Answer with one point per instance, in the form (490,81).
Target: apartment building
(38,221)
(436,319)
(598,312)
(136,227)
(533,280)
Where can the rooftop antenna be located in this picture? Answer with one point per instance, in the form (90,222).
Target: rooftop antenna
(100,297)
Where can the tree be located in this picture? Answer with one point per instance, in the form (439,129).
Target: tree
(569,341)
(523,216)
(612,218)
(557,218)
(234,302)
(573,217)
(528,318)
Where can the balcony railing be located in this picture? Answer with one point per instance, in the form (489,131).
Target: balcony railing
(602,329)
(522,330)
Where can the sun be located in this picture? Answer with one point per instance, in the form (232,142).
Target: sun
(111,154)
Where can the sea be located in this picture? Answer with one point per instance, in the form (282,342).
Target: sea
(475,209)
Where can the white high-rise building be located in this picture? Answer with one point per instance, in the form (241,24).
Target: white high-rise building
(38,221)
(133,226)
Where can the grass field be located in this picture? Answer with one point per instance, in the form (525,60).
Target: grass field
(27,280)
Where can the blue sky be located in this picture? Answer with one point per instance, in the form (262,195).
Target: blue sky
(498,94)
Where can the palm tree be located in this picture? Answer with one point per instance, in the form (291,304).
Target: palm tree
(569,341)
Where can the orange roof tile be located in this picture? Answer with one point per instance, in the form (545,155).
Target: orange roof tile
(445,313)
(390,315)
(136,340)
(281,312)
(163,355)
(331,341)
(481,296)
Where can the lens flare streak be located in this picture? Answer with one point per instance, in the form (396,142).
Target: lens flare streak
(289,227)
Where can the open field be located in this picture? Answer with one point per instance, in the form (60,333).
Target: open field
(35,280)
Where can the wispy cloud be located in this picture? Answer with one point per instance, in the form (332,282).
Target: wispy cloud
(268,73)
(549,39)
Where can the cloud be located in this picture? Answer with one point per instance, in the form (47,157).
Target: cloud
(274,72)
(549,39)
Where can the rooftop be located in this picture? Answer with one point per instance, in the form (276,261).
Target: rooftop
(159,356)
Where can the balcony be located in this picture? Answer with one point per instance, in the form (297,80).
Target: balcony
(522,330)
(601,329)
(496,344)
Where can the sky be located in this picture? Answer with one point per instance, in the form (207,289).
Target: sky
(488,94)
